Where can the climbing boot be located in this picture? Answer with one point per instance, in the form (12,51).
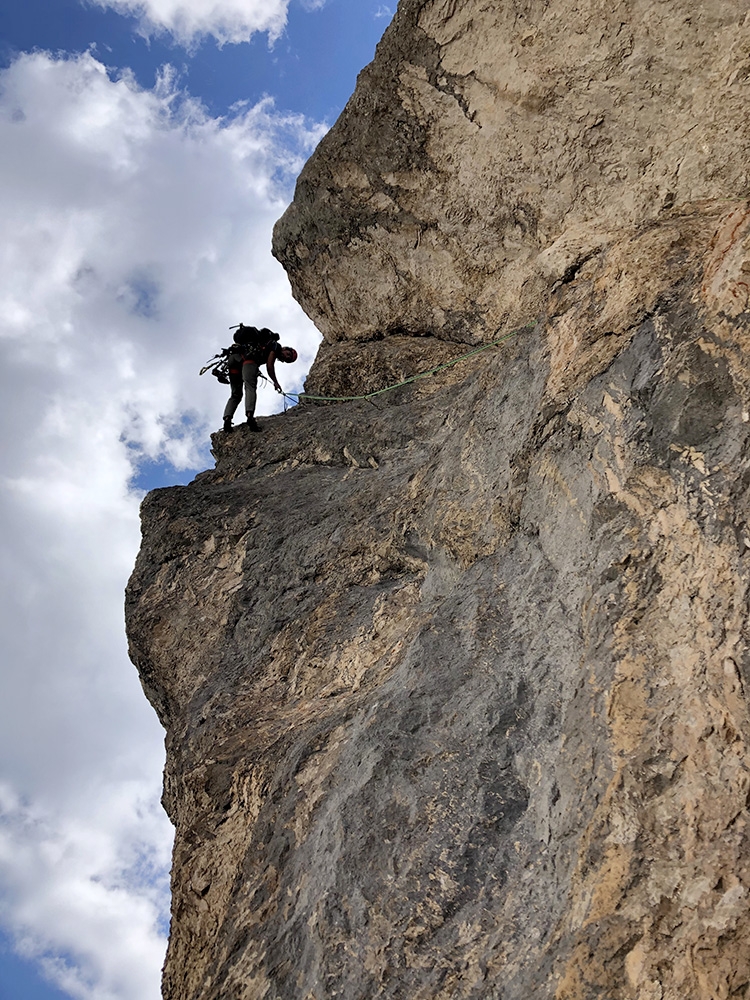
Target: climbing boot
(253,424)
(227,424)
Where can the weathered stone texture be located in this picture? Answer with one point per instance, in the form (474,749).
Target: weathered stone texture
(455,681)
(455,686)
(491,146)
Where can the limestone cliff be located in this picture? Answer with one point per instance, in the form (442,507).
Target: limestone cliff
(454,682)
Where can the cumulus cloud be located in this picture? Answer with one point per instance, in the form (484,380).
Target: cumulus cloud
(137,230)
(190,20)
(96,877)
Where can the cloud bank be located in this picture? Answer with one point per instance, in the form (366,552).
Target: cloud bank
(190,20)
(137,230)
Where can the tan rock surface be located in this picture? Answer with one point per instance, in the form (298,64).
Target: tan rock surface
(455,681)
(490,147)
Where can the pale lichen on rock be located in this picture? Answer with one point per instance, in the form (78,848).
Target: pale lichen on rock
(455,681)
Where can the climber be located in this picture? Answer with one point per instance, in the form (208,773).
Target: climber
(251,349)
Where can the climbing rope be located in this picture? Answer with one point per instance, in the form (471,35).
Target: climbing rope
(412,378)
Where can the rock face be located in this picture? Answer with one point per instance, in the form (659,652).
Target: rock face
(490,148)
(454,681)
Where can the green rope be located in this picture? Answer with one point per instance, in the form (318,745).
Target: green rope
(414,378)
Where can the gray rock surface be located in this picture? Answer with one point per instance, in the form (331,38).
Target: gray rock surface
(454,681)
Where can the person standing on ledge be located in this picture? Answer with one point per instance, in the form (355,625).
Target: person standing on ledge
(251,349)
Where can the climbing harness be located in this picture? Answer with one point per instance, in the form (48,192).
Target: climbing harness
(216,361)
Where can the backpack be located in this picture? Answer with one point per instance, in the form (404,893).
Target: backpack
(255,343)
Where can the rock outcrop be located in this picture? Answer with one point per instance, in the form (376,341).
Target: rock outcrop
(491,148)
(455,681)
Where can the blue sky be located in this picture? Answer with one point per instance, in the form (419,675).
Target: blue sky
(311,69)
(146,149)
(20,980)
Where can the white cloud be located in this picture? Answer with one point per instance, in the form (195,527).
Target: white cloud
(95,880)
(137,230)
(190,20)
